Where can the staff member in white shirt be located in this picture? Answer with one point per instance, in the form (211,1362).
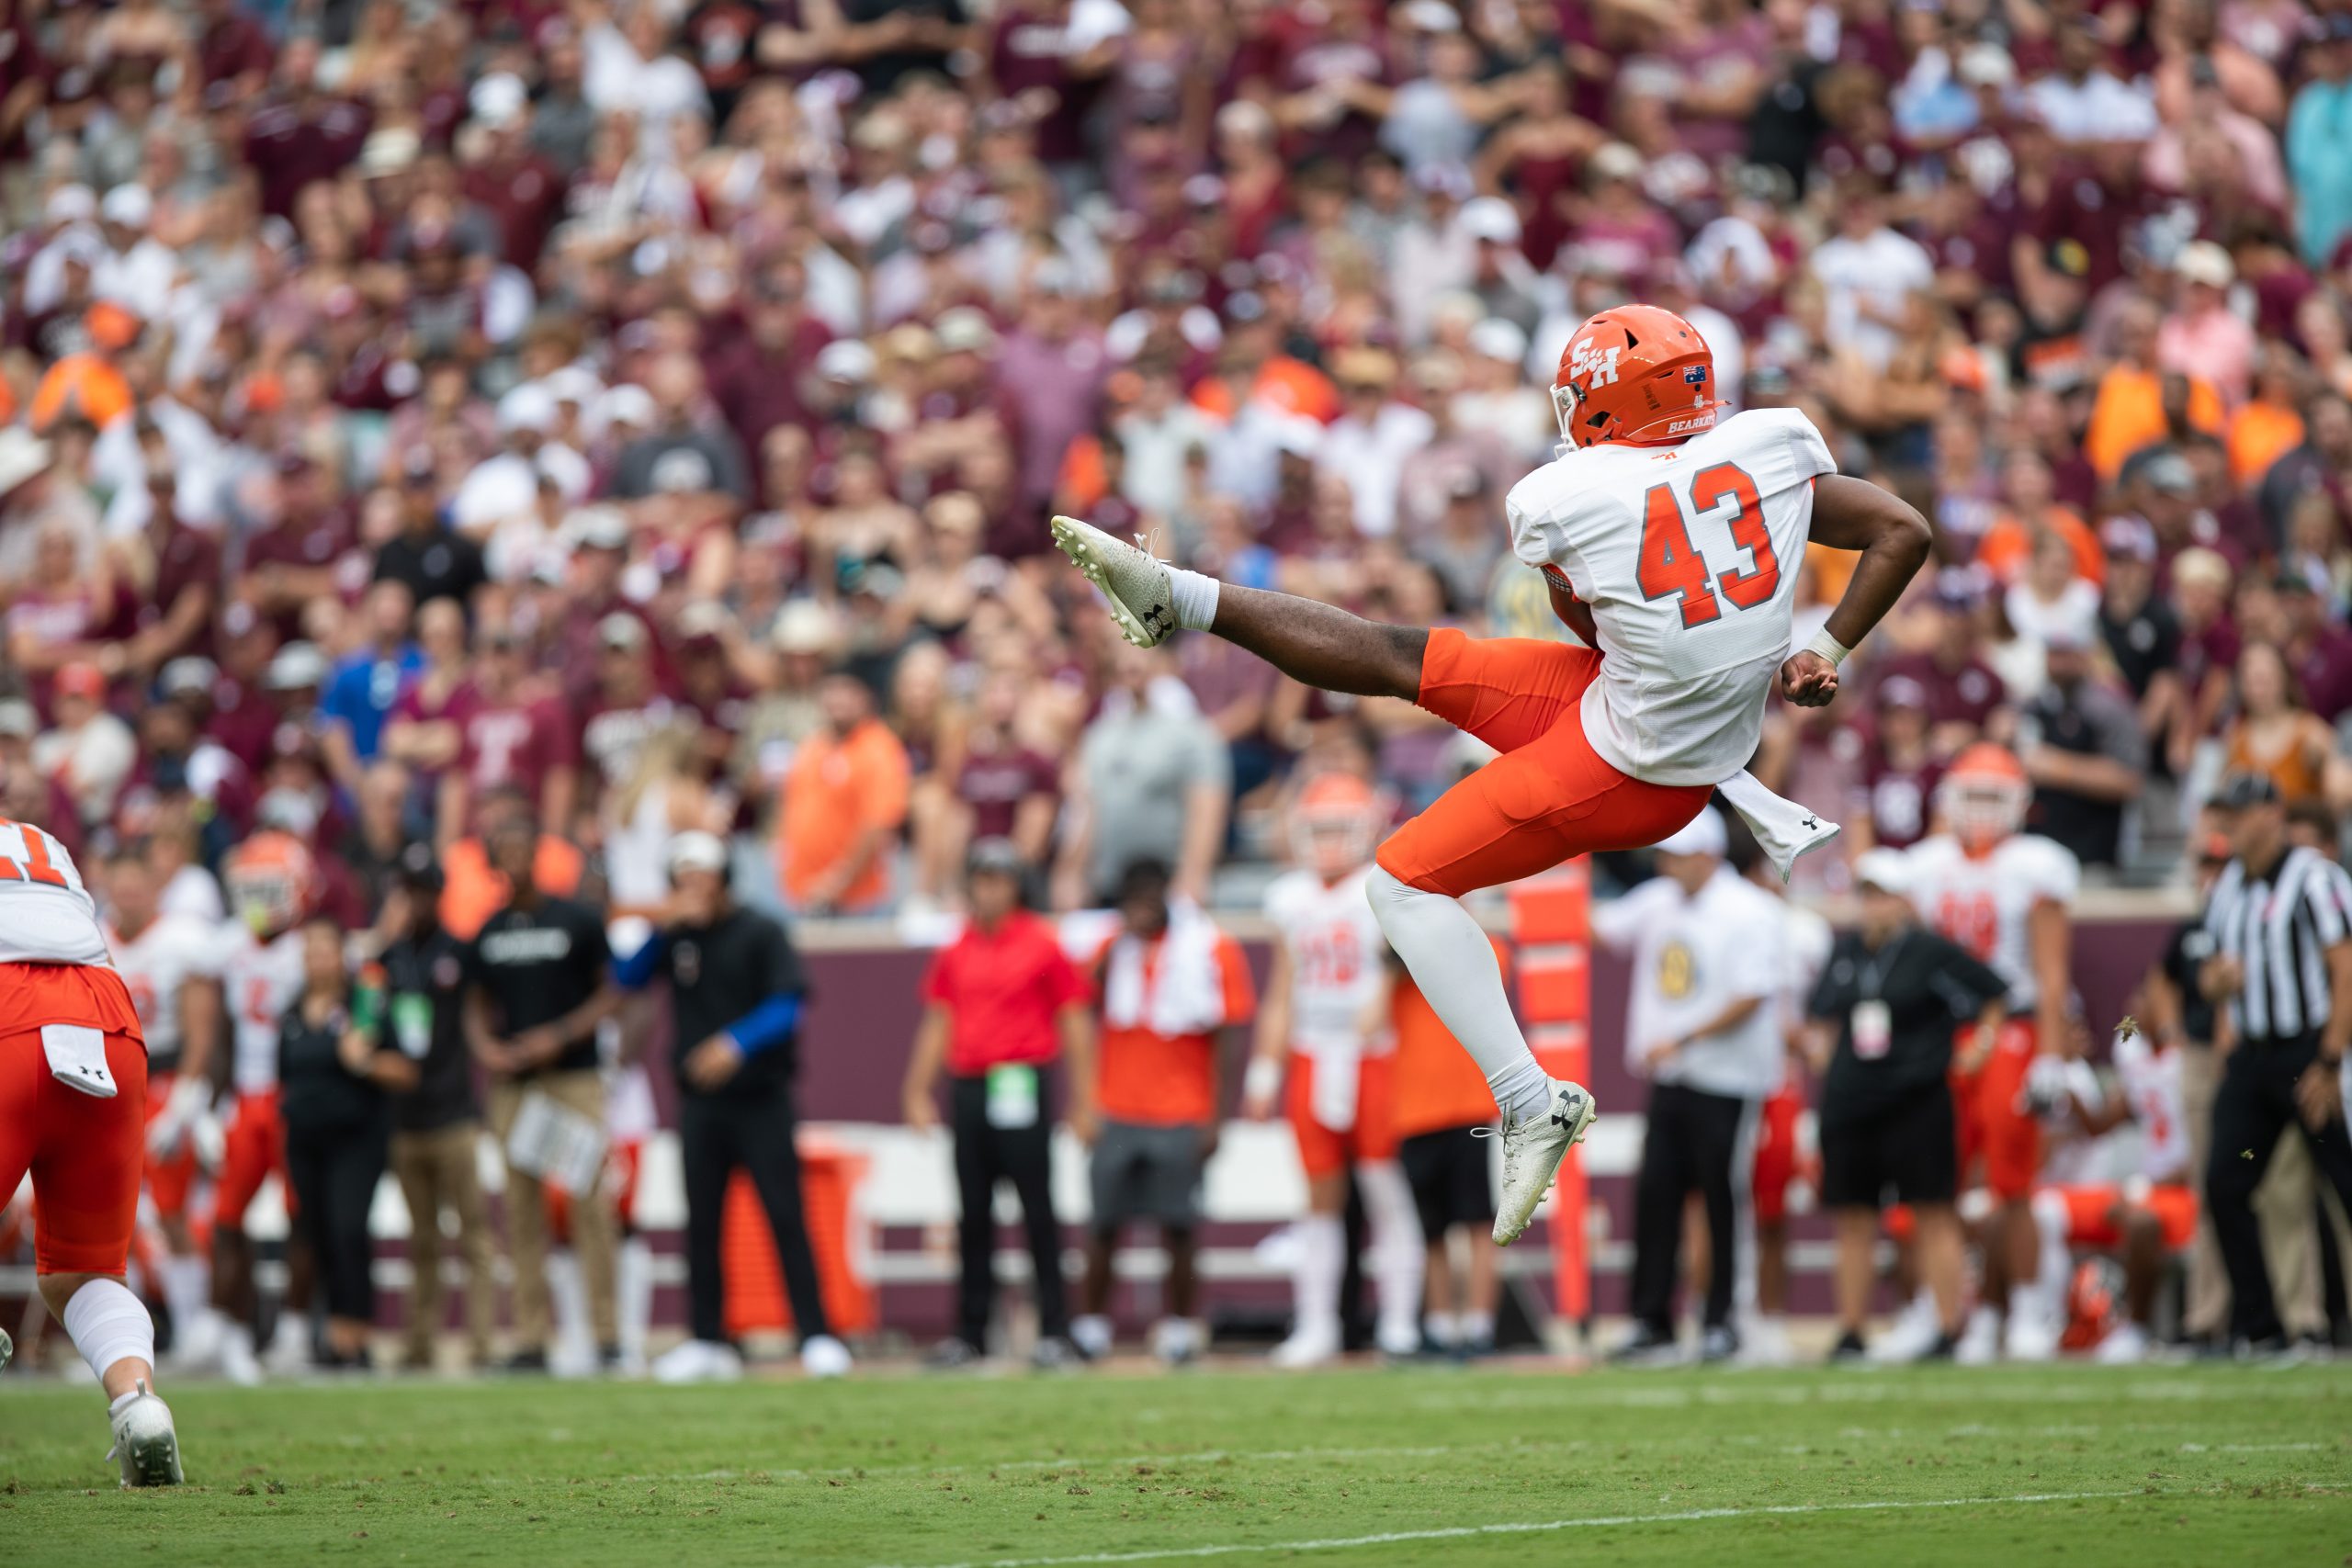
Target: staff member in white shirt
(1703,1027)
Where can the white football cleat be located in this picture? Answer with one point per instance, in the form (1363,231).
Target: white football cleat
(1914,1333)
(2126,1345)
(2030,1337)
(1980,1342)
(1533,1149)
(1306,1347)
(1137,584)
(144,1440)
(700,1361)
(823,1355)
(238,1363)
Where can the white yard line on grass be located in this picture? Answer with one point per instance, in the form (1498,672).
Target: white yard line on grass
(1465,1532)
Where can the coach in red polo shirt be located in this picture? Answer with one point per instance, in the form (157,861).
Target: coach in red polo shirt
(1001,1005)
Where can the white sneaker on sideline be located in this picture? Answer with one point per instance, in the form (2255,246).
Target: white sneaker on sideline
(1141,598)
(144,1440)
(1090,1332)
(2029,1337)
(823,1355)
(1980,1342)
(698,1360)
(2125,1346)
(238,1363)
(197,1346)
(1913,1334)
(288,1355)
(1306,1347)
(1765,1343)
(1533,1149)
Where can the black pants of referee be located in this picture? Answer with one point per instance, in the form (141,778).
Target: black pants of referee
(2254,1103)
(333,1170)
(718,1135)
(1700,1143)
(1022,1155)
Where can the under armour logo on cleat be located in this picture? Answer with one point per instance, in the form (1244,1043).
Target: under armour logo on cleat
(1564,1111)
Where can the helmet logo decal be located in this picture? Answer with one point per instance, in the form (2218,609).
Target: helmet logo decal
(1598,367)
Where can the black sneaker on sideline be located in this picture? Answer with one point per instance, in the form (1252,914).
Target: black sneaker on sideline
(1850,1350)
(1718,1344)
(1054,1354)
(531,1360)
(953,1354)
(1945,1349)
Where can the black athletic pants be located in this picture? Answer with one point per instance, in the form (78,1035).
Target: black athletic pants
(1022,1155)
(716,1134)
(333,1170)
(2254,1103)
(1695,1141)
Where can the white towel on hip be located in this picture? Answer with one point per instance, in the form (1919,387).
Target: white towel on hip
(1783,829)
(1186,993)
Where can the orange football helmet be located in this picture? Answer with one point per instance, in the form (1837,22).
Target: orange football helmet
(1983,797)
(1636,374)
(1335,824)
(272,882)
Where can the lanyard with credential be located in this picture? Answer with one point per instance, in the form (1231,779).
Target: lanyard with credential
(1872,974)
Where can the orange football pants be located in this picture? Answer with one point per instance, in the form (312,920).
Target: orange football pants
(1549,797)
(85,1154)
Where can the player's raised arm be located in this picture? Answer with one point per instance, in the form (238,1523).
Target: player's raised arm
(1854,514)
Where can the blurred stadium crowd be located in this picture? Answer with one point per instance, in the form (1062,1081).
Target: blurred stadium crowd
(646,416)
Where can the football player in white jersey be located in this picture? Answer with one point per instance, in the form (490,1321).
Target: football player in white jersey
(2127,1186)
(272,882)
(73,1115)
(1661,530)
(1326,1013)
(168,963)
(2004,895)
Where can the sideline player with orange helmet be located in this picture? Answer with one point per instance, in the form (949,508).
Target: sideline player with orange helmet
(74,1116)
(2003,894)
(1324,1046)
(1661,528)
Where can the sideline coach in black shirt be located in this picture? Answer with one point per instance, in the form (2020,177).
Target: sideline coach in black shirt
(437,1125)
(1892,997)
(736,989)
(538,987)
(2280,917)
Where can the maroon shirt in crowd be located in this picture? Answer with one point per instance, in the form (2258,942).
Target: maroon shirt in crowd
(1965,696)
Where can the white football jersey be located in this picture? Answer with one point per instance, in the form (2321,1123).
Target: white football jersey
(1336,953)
(2151,1083)
(259,981)
(1689,557)
(46,915)
(155,965)
(1983,902)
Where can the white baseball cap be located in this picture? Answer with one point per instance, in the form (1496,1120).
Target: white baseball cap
(1703,835)
(695,851)
(1889,870)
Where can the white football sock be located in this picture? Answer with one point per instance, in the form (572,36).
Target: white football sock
(1194,596)
(1477,1327)
(2045,1295)
(1315,1278)
(1453,963)
(1398,1256)
(107,1323)
(633,1287)
(1444,1328)
(187,1291)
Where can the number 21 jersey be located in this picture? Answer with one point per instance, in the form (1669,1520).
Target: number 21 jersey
(1689,557)
(46,915)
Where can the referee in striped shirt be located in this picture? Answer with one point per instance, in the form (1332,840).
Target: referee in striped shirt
(2280,917)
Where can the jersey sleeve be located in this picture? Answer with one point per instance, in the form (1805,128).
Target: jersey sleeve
(1537,537)
(2048,871)
(1787,435)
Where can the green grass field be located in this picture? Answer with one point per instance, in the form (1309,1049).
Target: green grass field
(2208,1465)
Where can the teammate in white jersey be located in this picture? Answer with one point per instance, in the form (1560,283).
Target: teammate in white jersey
(1670,544)
(1326,1013)
(73,1112)
(272,882)
(169,963)
(2126,1187)
(2003,895)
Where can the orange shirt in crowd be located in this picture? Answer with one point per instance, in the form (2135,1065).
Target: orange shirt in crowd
(471,892)
(840,785)
(2261,434)
(1158,1080)
(2007,545)
(83,385)
(2130,414)
(1291,385)
(1438,1086)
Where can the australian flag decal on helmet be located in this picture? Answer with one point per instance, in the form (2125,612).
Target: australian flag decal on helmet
(1694,375)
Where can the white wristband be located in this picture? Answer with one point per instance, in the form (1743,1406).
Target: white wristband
(1261,1078)
(1828,647)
